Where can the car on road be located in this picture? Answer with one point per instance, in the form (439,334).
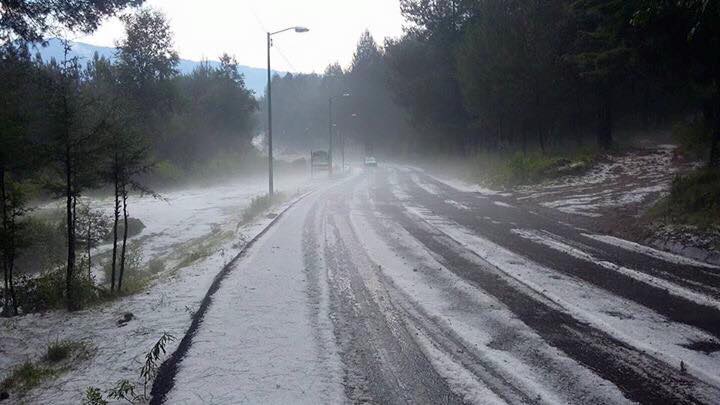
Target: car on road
(370,161)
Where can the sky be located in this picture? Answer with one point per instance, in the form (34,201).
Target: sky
(204,29)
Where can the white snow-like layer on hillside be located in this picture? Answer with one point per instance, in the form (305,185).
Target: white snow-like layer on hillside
(118,352)
(632,178)
(631,323)
(257,343)
(555,242)
(183,216)
(480,321)
(646,250)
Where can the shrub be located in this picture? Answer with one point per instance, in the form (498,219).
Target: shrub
(93,396)
(59,351)
(135,279)
(47,291)
(694,199)
(260,204)
(694,138)
(26,377)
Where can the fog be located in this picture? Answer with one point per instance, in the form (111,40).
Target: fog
(510,202)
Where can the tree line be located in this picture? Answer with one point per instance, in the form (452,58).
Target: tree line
(70,126)
(510,72)
(514,75)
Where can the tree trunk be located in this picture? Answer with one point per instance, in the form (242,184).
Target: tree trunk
(116,219)
(69,197)
(125,235)
(11,265)
(6,270)
(89,244)
(605,124)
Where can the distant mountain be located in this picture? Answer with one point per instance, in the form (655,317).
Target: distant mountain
(255,78)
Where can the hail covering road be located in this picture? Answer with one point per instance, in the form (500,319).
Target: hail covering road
(390,286)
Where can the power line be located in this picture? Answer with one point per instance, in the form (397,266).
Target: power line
(264,29)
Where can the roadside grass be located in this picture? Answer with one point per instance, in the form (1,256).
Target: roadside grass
(507,170)
(259,205)
(201,248)
(26,376)
(694,200)
(60,357)
(60,350)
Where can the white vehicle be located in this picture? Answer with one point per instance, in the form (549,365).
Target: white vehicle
(370,161)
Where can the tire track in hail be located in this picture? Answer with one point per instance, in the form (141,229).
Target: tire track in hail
(641,377)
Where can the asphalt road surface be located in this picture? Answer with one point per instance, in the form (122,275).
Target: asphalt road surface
(389,286)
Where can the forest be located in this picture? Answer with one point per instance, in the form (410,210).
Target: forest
(467,78)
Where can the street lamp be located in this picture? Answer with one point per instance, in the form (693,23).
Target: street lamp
(342,143)
(269,101)
(330,126)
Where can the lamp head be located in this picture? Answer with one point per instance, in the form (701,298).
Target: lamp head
(301,29)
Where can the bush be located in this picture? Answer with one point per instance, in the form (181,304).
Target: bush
(694,138)
(26,377)
(46,248)
(531,168)
(47,291)
(258,205)
(59,351)
(135,279)
(694,199)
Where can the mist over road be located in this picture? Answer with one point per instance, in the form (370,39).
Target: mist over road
(389,286)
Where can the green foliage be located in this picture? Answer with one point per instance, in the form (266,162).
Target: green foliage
(694,138)
(519,169)
(26,377)
(136,278)
(47,291)
(93,396)
(59,350)
(201,248)
(259,205)
(152,359)
(694,200)
(33,20)
(125,390)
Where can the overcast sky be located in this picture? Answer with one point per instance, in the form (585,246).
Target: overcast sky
(207,28)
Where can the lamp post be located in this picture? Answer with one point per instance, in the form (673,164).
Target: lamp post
(342,143)
(269,101)
(330,130)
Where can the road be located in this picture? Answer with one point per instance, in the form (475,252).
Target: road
(390,286)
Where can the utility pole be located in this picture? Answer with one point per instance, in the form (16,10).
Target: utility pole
(269,104)
(269,133)
(342,148)
(330,132)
